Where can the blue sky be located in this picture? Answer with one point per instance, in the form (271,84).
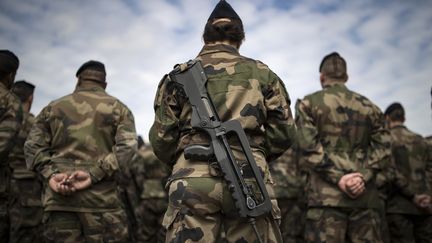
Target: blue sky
(387,45)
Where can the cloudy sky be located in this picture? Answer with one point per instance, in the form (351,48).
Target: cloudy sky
(387,45)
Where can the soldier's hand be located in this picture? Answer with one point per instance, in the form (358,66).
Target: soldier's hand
(80,180)
(58,183)
(352,184)
(423,201)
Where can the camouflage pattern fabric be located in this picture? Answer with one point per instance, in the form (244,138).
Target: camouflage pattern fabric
(25,205)
(340,132)
(10,124)
(147,200)
(241,89)
(194,214)
(289,191)
(429,161)
(329,225)
(410,156)
(88,130)
(406,228)
(67,227)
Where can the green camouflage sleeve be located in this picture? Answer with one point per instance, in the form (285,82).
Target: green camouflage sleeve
(11,116)
(379,149)
(123,150)
(312,151)
(280,130)
(37,146)
(164,133)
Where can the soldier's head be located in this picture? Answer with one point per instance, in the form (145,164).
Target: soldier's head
(92,71)
(333,68)
(395,114)
(9,64)
(24,90)
(224,25)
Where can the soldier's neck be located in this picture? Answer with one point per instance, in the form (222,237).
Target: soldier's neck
(393,124)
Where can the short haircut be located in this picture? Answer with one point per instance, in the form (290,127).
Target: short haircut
(23,90)
(395,112)
(334,66)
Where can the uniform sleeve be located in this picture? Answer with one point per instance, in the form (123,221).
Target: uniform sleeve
(429,164)
(11,116)
(311,150)
(280,130)
(379,149)
(123,149)
(37,146)
(164,133)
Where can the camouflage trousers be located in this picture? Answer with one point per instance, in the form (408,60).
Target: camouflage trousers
(75,227)
(149,215)
(198,207)
(406,228)
(293,220)
(25,211)
(4,220)
(336,225)
(4,217)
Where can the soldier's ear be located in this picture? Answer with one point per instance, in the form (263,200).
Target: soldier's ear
(104,85)
(322,79)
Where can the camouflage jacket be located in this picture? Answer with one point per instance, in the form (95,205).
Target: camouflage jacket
(289,180)
(11,116)
(410,156)
(240,88)
(16,157)
(10,124)
(429,171)
(88,130)
(340,132)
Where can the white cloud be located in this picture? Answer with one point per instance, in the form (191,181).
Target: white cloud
(387,46)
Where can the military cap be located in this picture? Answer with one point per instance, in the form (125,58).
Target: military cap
(23,89)
(223,10)
(334,66)
(9,62)
(394,107)
(92,70)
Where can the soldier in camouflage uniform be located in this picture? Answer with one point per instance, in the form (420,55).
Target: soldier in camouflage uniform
(343,142)
(25,206)
(289,190)
(147,195)
(240,88)
(77,144)
(10,123)
(407,215)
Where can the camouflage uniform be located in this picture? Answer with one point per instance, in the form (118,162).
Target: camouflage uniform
(407,223)
(289,190)
(10,122)
(147,195)
(87,130)
(429,164)
(341,132)
(25,206)
(241,89)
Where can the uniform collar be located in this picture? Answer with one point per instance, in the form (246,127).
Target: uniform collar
(213,48)
(89,87)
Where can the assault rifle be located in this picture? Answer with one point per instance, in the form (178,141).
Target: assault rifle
(250,196)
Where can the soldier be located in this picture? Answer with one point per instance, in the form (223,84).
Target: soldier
(25,206)
(77,144)
(149,175)
(10,123)
(241,88)
(407,205)
(343,142)
(289,190)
